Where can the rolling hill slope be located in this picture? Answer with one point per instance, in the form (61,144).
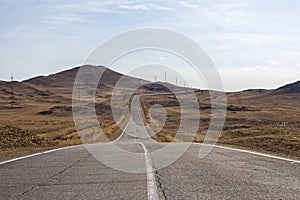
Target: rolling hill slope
(263,120)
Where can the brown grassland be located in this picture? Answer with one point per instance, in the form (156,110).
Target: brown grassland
(260,122)
(41,116)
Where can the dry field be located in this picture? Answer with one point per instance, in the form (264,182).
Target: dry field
(257,121)
(41,117)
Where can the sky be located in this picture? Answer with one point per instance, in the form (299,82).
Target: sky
(253,43)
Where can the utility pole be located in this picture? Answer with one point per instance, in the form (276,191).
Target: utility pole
(155,78)
(176,81)
(165,76)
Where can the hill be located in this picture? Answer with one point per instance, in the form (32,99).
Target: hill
(43,106)
(63,82)
(292,88)
(263,120)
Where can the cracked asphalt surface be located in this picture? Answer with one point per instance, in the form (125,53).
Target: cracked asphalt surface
(74,173)
(224,174)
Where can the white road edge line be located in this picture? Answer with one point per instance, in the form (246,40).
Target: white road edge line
(36,154)
(151,184)
(256,153)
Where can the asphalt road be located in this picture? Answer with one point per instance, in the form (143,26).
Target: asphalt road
(75,173)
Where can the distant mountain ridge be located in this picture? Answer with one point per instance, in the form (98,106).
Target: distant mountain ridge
(291,88)
(64,80)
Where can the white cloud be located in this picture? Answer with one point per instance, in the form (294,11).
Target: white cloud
(266,77)
(74,12)
(229,6)
(134,7)
(64,18)
(247,37)
(158,7)
(273,62)
(83,7)
(187,4)
(99,10)
(146,6)
(229,13)
(80,11)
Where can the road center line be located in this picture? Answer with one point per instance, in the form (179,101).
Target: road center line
(151,184)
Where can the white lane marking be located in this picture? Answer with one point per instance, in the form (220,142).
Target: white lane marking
(121,133)
(255,153)
(126,127)
(36,154)
(151,184)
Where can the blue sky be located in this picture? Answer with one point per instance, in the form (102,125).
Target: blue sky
(254,43)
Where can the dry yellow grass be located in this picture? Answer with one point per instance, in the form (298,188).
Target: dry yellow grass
(255,120)
(261,127)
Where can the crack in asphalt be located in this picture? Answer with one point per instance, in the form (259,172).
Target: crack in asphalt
(60,172)
(65,169)
(160,184)
(28,190)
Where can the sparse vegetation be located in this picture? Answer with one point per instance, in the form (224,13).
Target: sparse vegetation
(260,120)
(252,122)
